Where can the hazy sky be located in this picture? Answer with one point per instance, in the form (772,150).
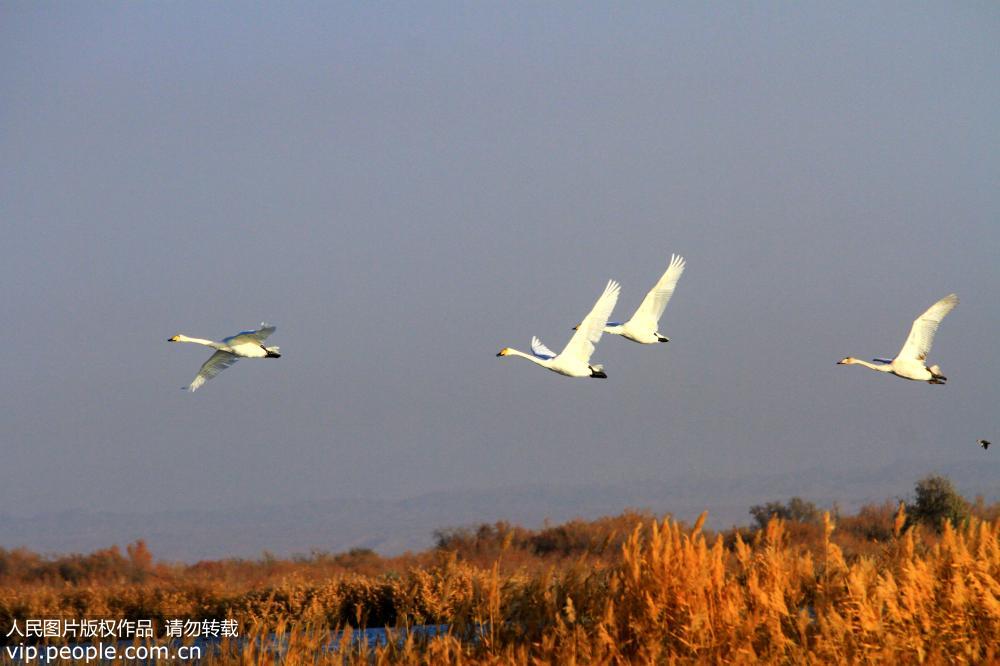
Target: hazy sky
(405,188)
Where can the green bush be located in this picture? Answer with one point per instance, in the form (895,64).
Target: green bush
(937,501)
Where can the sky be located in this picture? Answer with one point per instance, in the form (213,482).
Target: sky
(405,188)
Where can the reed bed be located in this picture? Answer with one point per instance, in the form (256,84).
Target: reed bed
(663,593)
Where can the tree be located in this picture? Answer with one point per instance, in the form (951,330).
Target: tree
(937,500)
(140,559)
(796,509)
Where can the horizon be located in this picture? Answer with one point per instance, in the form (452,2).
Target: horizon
(392,526)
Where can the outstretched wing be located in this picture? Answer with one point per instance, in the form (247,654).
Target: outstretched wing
(251,336)
(215,364)
(540,350)
(918,344)
(581,345)
(652,307)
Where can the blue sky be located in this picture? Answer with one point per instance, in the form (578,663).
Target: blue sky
(403,189)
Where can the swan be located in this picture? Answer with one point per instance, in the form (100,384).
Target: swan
(574,359)
(985,444)
(910,363)
(245,344)
(643,325)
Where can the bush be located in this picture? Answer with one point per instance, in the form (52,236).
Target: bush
(797,509)
(937,500)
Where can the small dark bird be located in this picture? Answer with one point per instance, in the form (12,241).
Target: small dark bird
(983,443)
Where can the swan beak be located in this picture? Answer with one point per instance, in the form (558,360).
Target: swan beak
(576,327)
(173,339)
(840,362)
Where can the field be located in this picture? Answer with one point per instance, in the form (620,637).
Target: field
(875,587)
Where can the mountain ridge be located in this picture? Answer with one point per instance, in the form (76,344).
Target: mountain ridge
(394,526)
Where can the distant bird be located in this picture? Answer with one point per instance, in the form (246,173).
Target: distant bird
(574,359)
(983,443)
(245,344)
(910,363)
(644,324)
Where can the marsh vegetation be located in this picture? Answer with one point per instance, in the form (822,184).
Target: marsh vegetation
(885,585)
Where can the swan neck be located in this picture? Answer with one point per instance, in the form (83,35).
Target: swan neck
(199,341)
(881,367)
(530,357)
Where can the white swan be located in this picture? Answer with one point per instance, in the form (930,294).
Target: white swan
(910,363)
(245,344)
(643,325)
(574,359)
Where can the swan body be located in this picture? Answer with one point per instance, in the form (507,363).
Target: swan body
(245,344)
(644,324)
(574,359)
(910,362)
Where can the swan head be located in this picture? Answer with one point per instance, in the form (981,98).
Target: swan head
(849,360)
(504,351)
(176,338)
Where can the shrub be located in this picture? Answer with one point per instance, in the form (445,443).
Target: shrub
(797,509)
(937,501)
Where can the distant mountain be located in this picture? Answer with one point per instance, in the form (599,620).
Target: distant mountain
(391,527)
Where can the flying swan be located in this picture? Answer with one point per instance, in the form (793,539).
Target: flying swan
(574,359)
(643,325)
(910,363)
(245,344)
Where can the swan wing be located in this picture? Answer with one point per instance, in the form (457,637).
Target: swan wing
(652,307)
(918,344)
(258,335)
(215,364)
(540,350)
(581,345)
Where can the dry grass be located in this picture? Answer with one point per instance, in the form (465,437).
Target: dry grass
(659,592)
